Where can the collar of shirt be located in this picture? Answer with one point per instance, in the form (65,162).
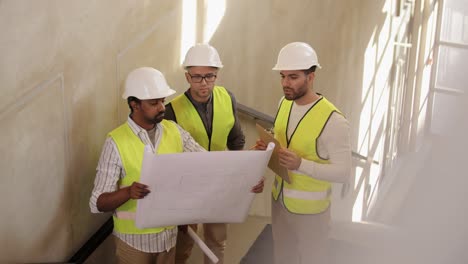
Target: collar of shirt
(142,133)
(198,104)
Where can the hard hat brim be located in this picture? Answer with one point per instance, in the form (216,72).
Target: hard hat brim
(294,68)
(167,94)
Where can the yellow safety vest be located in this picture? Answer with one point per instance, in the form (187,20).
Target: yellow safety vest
(304,195)
(131,153)
(223,119)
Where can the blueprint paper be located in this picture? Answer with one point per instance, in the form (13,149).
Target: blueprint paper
(199,187)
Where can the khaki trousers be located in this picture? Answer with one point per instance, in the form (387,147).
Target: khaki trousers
(299,239)
(129,255)
(215,238)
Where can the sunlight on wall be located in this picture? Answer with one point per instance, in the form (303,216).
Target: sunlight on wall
(189,26)
(375,172)
(375,96)
(426,74)
(382,87)
(370,62)
(369,66)
(359,173)
(367,78)
(215,10)
(357,207)
(364,122)
(379,110)
(385,31)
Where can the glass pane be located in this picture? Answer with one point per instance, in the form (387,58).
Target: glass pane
(445,112)
(452,68)
(455,21)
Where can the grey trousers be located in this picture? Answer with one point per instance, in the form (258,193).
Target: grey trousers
(299,239)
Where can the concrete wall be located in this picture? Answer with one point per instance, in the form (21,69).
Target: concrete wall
(61,69)
(62,66)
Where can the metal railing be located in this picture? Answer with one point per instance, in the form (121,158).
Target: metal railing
(93,243)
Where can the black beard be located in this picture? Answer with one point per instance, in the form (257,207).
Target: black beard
(294,96)
(159,118)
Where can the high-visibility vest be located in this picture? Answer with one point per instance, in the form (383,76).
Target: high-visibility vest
(304,195)
(131,150)
(223,119)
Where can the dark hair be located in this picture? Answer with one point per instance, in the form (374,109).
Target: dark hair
(130,99)
(311,69)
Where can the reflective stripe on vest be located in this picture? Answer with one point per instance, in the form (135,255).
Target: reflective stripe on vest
(305,194)
(131,150)
(125,215)
(223,119)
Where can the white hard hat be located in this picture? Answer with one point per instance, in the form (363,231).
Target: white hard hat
(202,55)
(296,56)
(146,83)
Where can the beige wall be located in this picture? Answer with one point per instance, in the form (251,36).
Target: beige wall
(252,34)
(62,66)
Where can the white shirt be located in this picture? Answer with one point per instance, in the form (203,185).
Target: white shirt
(333,144)
(110,170)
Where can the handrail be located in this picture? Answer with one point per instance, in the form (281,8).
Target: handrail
(270,120)
(255,114)
(94,242)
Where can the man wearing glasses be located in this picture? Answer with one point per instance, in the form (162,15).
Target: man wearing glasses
(208,112)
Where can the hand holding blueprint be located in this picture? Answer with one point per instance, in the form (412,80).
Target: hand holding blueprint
(199,187)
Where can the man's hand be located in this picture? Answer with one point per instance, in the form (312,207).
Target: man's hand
(289,159)
(108,202)
(138,190)
(259,145)
(259,187)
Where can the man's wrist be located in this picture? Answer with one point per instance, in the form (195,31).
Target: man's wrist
(127,193)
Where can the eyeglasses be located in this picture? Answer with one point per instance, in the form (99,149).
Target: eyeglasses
(199,78)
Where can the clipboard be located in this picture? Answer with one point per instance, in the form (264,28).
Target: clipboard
(273,164)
